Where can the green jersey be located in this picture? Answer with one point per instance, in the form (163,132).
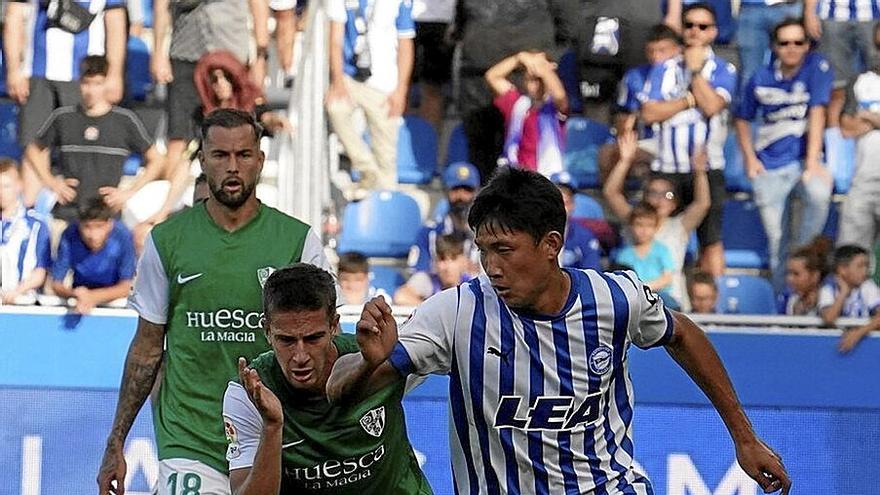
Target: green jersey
(351,449)
(204,284)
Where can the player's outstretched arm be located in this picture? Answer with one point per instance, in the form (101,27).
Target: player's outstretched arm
(141,367)
(265,474)
(694,353)
(355,375)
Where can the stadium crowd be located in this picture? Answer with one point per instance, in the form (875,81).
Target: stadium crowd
(704,146)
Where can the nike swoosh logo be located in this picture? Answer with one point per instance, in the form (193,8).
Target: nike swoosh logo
(182,280)
(291,444)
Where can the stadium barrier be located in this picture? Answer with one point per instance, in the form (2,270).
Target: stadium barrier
(820,410)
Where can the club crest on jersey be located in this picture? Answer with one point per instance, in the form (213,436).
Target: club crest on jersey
(547,412)
(600,360)
(374,421)
(263,274)
(232,448)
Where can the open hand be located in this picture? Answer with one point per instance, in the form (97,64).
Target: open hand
(65,189)
(376,331)
(266,402)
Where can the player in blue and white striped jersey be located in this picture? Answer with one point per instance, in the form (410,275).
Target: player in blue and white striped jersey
(540,396)
(688,97)
(787,101)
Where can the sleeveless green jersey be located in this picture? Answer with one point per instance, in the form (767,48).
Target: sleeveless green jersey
(214,314)
(351,449)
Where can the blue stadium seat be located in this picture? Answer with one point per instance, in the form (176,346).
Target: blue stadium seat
(457,146)
(735,177)
(132,164)
(587,207)
(416,151)
(745,242)
(583,137)
(138,81)
(745,294)
(9,130)
(833,222)
(692,251)
(385,224)
(386,278)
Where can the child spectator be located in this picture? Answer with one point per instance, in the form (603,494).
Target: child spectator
(354,279)
(581,248)
(703,293)
(804,272)
(674,231)
(533,117)
(100,252)
(850,293)
(24,241)
(450,268)
(649,258)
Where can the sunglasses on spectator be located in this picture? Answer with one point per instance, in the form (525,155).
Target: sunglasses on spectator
(791,42)
(702,27)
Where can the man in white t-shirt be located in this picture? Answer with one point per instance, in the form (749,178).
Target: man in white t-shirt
(371,59)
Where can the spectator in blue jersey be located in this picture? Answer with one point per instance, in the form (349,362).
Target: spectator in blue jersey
(688,97)
(42,68)
(92,141)
(650,259)
(845,29)
(674,229)
(533,113)
(581,248)
(756,21)
(371,59)
(805,270)
(450,268)
(100,252)
(24,241)
(849,293)
(462,181)
(787,100)
(535,352)
(663,44)
(860,216)
(353,271)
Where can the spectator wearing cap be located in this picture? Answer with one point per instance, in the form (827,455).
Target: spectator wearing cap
(462,181)
(674,231)
(581,248)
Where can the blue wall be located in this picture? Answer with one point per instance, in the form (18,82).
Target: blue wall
(820,411)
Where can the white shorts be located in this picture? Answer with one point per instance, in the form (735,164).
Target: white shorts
(188,477)
(282,4)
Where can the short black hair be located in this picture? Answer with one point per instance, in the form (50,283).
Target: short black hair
(449,245)
(93,65)
(699,6)
(201,179)
(519,200)
(643,210)
(703,278)
(661,32)
(353,262)
(230,118)
(299,287)
(788,21)
(95,209)
(846,253)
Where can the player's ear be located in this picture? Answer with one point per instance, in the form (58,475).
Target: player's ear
(334,324)
(552,243)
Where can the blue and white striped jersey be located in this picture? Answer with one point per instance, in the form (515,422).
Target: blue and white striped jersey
(539,404)
(783,106)
(65,49)
(24,247)
(849,10)
(682,133)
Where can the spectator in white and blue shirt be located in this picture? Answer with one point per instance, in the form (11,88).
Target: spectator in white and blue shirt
(24,242)
(756,20)
(688,97)
(787,99)
(846,31)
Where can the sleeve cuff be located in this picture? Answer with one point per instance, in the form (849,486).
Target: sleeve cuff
(667,335)
(401,361)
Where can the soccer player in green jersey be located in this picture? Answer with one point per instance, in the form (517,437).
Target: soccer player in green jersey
(198,292)
(278,410)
